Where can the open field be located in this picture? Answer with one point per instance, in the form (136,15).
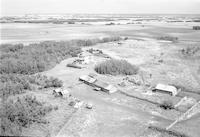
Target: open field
(130,111)
(11,32)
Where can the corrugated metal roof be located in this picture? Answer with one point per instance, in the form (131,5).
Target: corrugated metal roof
(87,78)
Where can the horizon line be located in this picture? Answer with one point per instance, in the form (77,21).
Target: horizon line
(105,14)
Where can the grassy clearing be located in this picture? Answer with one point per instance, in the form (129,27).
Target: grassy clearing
(116,67)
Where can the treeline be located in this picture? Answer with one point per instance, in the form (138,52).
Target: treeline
(39,57)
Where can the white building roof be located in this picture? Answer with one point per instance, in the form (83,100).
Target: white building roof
(168,88)
(111,88)
(65,91)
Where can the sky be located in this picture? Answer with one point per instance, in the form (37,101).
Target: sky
(20,7)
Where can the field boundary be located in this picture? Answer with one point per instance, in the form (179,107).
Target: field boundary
(146,100)
(170,132)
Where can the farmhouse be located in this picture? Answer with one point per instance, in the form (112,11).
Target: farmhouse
(166,89)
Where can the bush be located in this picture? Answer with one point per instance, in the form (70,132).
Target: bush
(191,51)
(53,82)
(45,82)
(167,104)
(12,84)
(23,112)
(168,38)
(116,67)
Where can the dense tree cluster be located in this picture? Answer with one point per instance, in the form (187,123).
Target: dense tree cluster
(35,57)
(116,67)
(12,84)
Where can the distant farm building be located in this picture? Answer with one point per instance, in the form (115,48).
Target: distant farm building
(98,84)
(166,89)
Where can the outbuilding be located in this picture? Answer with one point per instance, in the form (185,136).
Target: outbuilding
(99,85)
(61,92)
(105,87)
(111,89)
(87,79)
(166,89)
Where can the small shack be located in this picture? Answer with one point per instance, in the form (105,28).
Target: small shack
(59,92)
(166,89)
